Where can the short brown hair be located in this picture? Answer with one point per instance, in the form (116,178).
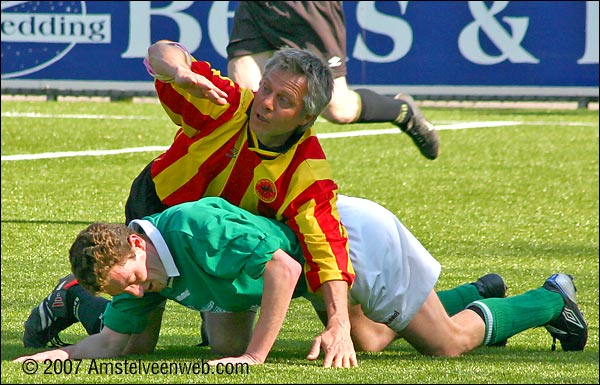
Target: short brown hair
(96,250)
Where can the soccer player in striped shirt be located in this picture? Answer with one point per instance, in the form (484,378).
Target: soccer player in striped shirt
(259,151)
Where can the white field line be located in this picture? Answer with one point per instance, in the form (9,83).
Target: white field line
(385,131)
(12,114)
(66,154)
(395,130)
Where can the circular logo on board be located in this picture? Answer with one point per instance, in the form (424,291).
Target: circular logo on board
(266,190)
(37,34)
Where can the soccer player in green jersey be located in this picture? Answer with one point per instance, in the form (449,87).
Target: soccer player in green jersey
(217,258)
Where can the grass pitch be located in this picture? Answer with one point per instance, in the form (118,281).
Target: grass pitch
(518,197)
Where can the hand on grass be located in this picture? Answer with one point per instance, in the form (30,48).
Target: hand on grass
(52,355)
(337,346)
(243,359)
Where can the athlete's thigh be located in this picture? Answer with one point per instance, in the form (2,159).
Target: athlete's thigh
(247,70)
(368,335)
(431,330)
(229,333)
(345,104)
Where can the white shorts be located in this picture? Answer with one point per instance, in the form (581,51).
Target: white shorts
(394,273)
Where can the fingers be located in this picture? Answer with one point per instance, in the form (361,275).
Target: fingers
(328,360)
(243,359)
(219,93)
(201,87)
(208,90)
(350,361)
(230,360)
(315,350)
(216,96)
(342,357)
(340,360)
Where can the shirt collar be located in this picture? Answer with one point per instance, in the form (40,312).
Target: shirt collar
(159,243)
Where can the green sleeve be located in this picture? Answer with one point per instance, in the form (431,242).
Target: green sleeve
(128,314)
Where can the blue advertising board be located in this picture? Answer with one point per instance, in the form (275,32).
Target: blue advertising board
(390,43)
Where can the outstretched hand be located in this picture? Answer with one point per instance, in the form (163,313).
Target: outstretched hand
(52,355)
(337,346)
(201,87)
(243,359)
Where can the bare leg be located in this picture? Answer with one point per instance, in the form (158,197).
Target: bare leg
(343,108)
(432,332)
(247,70)
(368,335)
(229,333)
(345,104)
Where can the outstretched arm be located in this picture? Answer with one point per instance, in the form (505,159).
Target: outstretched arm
(105,344)
(170,62)
(279,280)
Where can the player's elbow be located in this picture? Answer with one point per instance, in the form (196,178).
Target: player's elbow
(290,272)
(294,271)
(287,267)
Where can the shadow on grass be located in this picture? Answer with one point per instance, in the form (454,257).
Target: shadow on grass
(294,351)
(45,222)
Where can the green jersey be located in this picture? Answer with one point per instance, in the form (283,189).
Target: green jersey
(214,254)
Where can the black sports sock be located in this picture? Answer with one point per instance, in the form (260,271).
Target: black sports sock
(379,108)
(86,308)
(478,311)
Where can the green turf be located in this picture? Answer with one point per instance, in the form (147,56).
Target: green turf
(520,200)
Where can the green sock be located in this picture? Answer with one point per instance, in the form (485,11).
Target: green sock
(505,317)
(456,300)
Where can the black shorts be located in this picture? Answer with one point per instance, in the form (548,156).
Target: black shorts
(268,25)
(143,200)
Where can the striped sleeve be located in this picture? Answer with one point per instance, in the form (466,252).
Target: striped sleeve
(203,124)
(323,238)
(194,114)
(311,212)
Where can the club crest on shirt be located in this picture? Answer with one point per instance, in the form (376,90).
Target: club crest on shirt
(265,190)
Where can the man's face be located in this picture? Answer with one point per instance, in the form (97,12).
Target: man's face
(137,275)
(278,106)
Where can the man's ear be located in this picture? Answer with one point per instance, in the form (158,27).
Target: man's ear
(307,119)
(137,241)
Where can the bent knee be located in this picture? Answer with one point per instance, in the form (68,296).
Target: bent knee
(373,339)
(344,108)
(369,346)
(447,352)
(340,114)
(442,350)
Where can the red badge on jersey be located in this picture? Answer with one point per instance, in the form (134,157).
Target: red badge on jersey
(266,190)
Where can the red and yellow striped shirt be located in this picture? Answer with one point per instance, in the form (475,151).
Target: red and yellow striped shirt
(214,153)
